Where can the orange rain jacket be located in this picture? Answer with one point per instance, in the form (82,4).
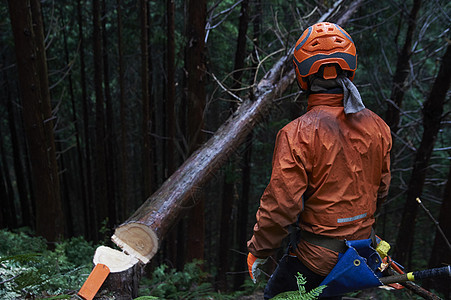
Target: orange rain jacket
(332,170)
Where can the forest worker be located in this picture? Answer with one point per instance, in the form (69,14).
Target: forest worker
(330,169)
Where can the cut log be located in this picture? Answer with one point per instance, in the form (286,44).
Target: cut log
(125,273)
(141,234)
(141,241)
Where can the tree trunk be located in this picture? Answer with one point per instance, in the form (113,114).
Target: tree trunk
(140,235)
(229,183)
(146,121)
(81,191)
(8,209)
(170,86)
(241,53)
(110,161)
(153,122)
(228,197)
(65,194)
(24,199)
(25,205)
(432,116)
(5,205)
(26,22)
(124,276)
(89,212)
(123,204)
(195,87)
(243,205)
(402,72)
(171,241)
(100,160)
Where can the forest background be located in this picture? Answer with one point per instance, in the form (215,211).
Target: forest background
(101,101)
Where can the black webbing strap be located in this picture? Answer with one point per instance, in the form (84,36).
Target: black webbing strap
(324,241)
(329,242)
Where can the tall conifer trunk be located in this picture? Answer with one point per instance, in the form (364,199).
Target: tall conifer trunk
(170,87)
(8,210)
(81,197)
(5,208)
(110,161)
(89,212)
(145,95)
(100,171)
(26,22)
(402,71)
(243,209)
(171,241)
(123,204)
(195,89)
(229,183)
(26,208)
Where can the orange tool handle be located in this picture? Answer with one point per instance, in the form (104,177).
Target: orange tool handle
(94,282)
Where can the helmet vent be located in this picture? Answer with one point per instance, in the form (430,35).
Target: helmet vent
(339,41)
(315,44)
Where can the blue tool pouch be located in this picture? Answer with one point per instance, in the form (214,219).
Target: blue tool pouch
(356,269)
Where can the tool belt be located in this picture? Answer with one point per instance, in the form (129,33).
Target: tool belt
(357,267)
(327,242)
(324,241)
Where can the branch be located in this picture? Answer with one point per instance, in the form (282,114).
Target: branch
(437,224)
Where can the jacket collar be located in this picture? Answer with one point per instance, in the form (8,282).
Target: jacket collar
(334,100)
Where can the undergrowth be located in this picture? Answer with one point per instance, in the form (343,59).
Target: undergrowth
(28,269)
(191,283)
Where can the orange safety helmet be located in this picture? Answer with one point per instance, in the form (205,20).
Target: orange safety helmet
(320,49)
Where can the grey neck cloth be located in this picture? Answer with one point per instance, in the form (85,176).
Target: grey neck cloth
(352,102)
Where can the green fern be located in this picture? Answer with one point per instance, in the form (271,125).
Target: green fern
(300,294)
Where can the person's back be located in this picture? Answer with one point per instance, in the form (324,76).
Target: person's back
(347,160)
(347,167)
(331,167)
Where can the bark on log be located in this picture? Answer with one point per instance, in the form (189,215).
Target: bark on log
(140,235)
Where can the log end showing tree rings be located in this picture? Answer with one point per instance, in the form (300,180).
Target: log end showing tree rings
(115,260)
(137,240)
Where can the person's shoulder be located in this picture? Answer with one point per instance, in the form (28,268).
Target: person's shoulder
(305,120)
(374,115)
(377,119)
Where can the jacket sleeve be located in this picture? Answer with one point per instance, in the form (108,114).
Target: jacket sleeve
(382,192)
(281,202)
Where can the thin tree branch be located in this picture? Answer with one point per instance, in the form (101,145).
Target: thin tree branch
(436,223)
